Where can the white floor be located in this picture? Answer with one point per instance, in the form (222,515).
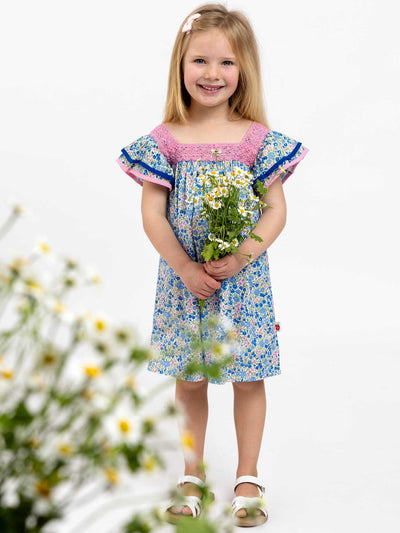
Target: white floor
(330,453)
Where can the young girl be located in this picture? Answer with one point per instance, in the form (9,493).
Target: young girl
(214,101)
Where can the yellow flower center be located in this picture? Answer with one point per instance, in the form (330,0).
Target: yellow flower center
(124,425)
(100,324)
(131,382)
(33,286)
(43,488)
(187,440)
(44,247)
(34,442)
(49,358)
(66,449)
(92,371)
(112,475)
(59,307)
(149,463)
(87,394)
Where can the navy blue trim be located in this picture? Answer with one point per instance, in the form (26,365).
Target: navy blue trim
(274,167)
(147,167)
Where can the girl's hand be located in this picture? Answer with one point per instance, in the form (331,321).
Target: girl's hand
(226,267)
(198,282)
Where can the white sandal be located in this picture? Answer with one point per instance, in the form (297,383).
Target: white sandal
(250,505)
(193,502)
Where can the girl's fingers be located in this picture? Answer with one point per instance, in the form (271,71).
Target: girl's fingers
(204,295)
(213,271)
(217,265)
(212,283)
(218,275)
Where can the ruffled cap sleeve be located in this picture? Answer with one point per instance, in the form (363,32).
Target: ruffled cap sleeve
(142,160)
(278,156)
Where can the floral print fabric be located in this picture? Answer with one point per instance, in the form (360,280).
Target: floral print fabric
(142,160)
(244,301)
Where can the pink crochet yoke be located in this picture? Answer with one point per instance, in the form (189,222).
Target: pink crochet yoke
(245,151)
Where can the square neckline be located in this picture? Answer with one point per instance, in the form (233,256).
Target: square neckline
(247,133)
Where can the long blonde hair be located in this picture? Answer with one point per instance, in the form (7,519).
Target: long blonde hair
(247,100)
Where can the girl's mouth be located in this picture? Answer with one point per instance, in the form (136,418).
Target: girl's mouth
(211,88)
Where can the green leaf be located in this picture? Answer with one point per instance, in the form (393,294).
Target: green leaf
(213,371)
(256,237)
(199,525)
(261,188)
(133,454)
(22,415)
(148,426)
(208,251)
(137,524)
(139,355)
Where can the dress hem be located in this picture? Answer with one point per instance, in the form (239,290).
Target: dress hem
(213,381)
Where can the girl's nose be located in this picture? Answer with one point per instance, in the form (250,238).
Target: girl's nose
(212,72)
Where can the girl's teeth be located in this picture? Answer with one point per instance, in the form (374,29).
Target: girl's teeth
(210,88)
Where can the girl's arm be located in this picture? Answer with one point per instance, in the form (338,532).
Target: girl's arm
(270,225)
(162,236)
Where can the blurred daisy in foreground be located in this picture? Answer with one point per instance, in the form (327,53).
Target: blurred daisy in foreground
(92,371)
(112,475)
(42,247)
(59,309)
(92,277)
(100,323)
(187,441)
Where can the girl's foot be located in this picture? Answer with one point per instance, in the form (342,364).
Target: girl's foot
(249,506)
(250,491)
(188,489)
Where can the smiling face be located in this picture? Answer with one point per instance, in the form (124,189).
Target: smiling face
(210,69)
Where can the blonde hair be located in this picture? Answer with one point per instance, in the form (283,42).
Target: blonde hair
(247,100)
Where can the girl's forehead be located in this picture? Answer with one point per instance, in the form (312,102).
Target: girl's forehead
(213,42)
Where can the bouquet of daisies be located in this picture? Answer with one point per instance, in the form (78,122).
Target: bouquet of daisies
(228,206)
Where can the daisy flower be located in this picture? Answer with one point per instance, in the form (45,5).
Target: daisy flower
(242,210)
(216,205)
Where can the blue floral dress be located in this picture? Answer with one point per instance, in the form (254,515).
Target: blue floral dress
(245,300)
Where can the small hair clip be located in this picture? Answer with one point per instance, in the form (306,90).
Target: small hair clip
(188,24)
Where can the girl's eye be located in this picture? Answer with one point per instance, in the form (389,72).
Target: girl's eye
(199,60)
(227,62)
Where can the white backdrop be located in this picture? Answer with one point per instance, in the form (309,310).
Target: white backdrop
(81,79)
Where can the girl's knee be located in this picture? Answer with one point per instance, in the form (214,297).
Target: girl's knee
(247,386)
(191,385)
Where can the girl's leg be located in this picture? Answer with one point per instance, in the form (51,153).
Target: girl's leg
(192,397)
(249,415)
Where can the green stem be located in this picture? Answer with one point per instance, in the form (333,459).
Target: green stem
(8,224)
(63,359)
(3,304)
(75,487)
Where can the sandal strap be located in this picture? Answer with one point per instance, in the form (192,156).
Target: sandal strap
(247,503)
(191,479)
(194,504)
(250,479)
